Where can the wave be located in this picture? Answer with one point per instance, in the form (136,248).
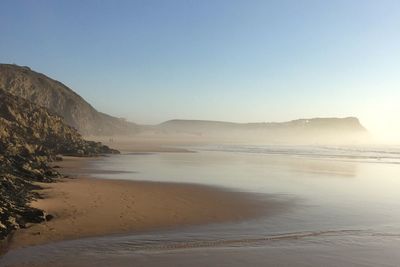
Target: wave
(163,245)
(390,155)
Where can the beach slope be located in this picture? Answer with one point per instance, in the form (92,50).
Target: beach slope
(84,207)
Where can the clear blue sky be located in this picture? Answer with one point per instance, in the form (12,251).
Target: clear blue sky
(249,60)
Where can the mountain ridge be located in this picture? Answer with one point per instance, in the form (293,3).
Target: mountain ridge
(352,119)
(313,130)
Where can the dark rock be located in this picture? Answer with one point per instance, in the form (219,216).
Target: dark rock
(33,216)
(49,217)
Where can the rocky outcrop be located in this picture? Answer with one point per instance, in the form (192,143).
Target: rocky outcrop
(61,100)
(30,137)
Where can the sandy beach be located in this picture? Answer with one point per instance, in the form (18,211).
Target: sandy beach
(85,207)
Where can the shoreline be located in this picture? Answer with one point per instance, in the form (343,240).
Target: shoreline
(143,145)
(87,207)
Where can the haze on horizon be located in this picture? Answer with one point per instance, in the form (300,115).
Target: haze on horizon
(239,61)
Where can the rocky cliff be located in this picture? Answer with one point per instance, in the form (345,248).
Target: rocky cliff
(30,137)
(58,98)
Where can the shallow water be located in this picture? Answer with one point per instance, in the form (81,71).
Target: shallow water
(345,210)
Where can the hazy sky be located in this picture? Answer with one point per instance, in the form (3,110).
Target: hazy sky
(151,61)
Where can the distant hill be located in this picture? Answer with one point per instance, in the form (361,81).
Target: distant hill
(58,98)
(316,130)
(345,124)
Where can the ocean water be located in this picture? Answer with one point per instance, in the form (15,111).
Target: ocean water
(343,209)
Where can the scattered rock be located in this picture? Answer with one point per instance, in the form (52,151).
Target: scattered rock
(49,217)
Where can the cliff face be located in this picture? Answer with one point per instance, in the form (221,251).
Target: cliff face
(58,98)
(30,137)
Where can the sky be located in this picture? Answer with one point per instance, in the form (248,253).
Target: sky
(241,61)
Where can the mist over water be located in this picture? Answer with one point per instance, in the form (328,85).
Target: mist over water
(287,102)
(340,205)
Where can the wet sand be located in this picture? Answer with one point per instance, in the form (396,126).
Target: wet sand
(85,207)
